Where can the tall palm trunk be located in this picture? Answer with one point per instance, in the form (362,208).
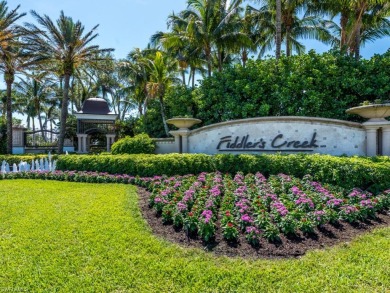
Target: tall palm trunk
(41,126)
(343,26)
(64,113)
(278,39)
(208,60)
(288,42)
(162,109)
(33,133)
(357,36)
(9,79)
(183,76)
(244,57)
(220,60)
(28,121)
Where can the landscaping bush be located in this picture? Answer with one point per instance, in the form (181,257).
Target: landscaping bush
(347,172)
(139,144)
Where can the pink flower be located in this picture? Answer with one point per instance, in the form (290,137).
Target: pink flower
(246,218)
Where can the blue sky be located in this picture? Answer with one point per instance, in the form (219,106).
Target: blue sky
(128,24)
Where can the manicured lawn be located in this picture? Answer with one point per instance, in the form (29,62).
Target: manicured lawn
(80,237)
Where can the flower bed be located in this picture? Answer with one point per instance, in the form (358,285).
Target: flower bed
(250,204)
(256,206)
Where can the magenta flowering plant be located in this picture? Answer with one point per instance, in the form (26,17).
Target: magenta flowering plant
(230,231)
(288,225)
(304,203)
(206,225)
(350,213)
(318,217)
(306,225)
(167,213)
(252,235)
(190,223)
(335,203)
(367,208)
(245,220)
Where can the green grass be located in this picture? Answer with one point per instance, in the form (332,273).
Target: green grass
(78,237)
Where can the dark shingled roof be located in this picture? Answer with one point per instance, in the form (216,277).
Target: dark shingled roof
(95,106)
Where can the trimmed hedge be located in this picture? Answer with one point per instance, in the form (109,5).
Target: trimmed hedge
(139,144)
(348,172)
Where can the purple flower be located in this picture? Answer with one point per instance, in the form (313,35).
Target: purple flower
(246,218)
(260,178)
(181,206)
(206,215)
(348,209)
(215,191)
(334,202)
(280,208)
(367,203)
(284,177)
(296,191)
(354,193)
(165,192)
(319,214)
(252,229)
(188,195)
(273,197)
(209,204)
(305,201)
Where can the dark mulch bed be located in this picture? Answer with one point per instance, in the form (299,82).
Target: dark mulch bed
(295,246)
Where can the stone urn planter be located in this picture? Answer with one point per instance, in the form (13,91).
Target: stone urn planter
(374,112)
(183,123)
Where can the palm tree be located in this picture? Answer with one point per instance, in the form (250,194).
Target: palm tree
(292,26)
(360,21)
(207,27)
(35,92)
(162,72)
(65,47)
(134,70)
(12,58)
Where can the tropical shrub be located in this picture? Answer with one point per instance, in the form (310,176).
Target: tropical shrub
(139,144)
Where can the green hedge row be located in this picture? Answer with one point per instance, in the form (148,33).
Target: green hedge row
(347,172)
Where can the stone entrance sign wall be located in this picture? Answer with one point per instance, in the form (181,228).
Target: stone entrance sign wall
(279,134)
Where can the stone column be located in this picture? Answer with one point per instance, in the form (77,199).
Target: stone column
(181,135)
(110,141)
(386,140)
(78,143)
(184,136)
(82,139)
(177,136)
(372,139)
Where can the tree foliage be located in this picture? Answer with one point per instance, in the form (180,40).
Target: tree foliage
(317,85)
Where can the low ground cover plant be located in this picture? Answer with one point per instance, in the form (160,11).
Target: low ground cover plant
(251,204)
